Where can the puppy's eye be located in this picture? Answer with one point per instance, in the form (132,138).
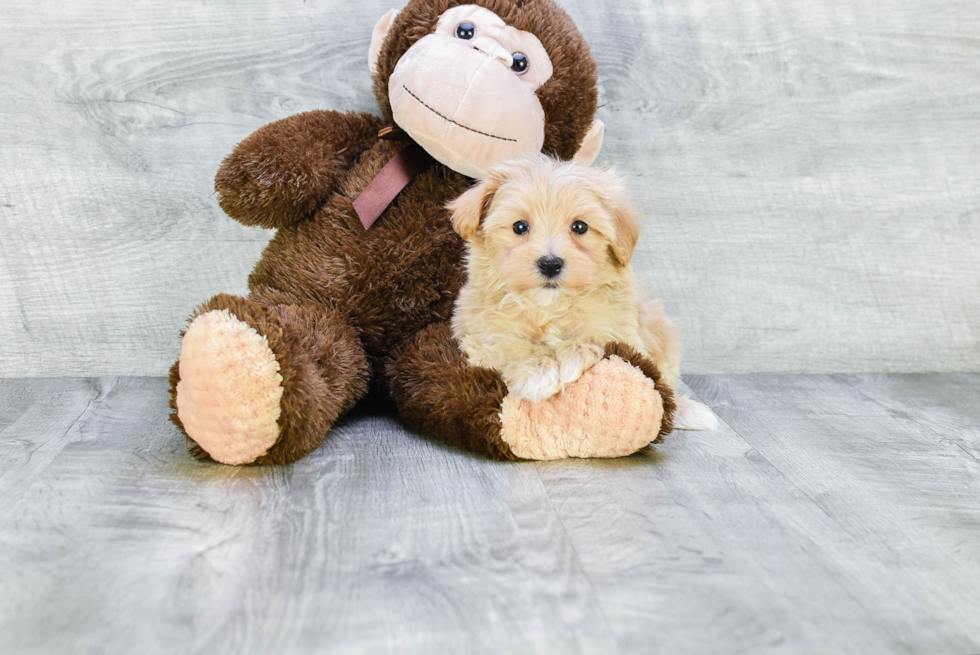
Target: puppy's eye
(521,227)
(466,31)
(578,227)
(520,63)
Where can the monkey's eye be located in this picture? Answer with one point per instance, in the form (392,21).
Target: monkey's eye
(521,227)
(520,63)
(466,31)
(578,227)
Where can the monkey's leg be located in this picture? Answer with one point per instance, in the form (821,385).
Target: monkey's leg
(616,408)
(442,397)
(263,384)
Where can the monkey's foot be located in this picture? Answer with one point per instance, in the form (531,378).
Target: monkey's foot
(228,397)
(613,410)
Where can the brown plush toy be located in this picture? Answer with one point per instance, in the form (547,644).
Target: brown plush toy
(356,288)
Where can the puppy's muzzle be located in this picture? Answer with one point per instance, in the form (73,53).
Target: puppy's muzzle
(550,266)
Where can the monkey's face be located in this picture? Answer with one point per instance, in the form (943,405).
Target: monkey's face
(466,92)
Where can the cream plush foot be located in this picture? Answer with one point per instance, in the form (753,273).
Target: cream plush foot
(613,410)
(228,397)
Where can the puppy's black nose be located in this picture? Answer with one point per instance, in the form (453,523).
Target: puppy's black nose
(550,266)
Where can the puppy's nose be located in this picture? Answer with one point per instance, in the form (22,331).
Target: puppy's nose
(550,266)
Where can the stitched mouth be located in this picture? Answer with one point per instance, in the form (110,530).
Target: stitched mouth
(449,120)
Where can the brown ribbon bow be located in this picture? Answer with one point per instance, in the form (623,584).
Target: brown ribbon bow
(409,163)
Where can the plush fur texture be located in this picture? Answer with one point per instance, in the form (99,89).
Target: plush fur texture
(468,406)
(231,402)
(345,309)
(569,98)
(284,172)
(322,363)
(542,333)
(576,423)
(463,126)
(444,398)
(649,369)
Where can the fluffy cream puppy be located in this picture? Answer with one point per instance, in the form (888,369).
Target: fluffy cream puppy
(550,283)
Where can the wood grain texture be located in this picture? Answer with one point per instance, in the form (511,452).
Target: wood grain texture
(37,421)
(948,404)
(810,170)
(812,522)
(377,542)
(903,499)
(827,515)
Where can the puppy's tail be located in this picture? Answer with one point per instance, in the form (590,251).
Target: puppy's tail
(692,415)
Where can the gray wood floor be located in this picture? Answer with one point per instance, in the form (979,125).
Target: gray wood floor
(828,515)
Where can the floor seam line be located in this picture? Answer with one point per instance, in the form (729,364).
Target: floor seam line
(843,528)
(578,558)
(66,438)
(911,414)
(776,468)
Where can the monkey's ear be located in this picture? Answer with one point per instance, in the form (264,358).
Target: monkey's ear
(378,39)
(469,210)
(591,144)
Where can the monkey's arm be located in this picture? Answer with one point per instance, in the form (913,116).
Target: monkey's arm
(282,173)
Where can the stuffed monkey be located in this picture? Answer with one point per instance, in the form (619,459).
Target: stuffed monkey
(356,288)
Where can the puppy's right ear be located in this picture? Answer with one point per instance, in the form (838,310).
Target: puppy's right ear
(469,210)
(625,219)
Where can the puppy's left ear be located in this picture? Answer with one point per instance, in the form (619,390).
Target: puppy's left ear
(626,220)
(469,210)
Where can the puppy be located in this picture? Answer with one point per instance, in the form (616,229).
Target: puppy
(550,284)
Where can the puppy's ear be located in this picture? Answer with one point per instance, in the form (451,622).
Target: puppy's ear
(626,220)
(627,234)
(469,210)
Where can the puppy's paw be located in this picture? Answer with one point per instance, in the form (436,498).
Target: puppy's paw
(535,379)
(575,358)
(692,415)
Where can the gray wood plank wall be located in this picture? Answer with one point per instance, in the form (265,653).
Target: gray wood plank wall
(809,169)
